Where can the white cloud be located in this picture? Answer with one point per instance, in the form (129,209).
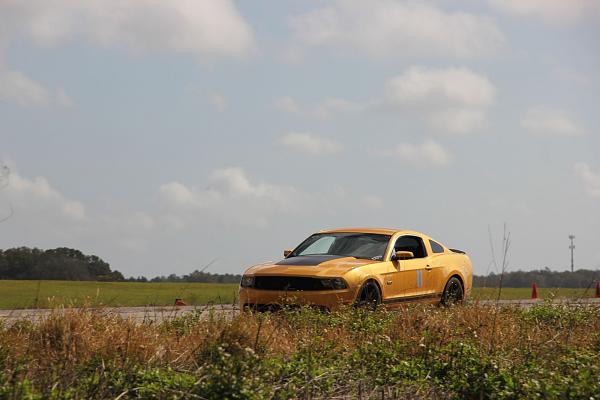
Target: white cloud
(589,178)
(230,189)
(288,105)
(428,153)
(395,29)
(457,120)
(207,28)
(219,102)
(44,217)
(25,92)
(323,109)
(548,121)
(453,100)
(177,194)
(230,198)
(37,202)
(439,88)
(309,144)
(559,12)
(234,182)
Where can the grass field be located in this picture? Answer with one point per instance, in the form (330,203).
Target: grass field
(45,294)
(525,293)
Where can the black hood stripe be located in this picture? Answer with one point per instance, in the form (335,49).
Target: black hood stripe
(308,260)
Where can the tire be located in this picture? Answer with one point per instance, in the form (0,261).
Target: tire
(454,292)
(369,296)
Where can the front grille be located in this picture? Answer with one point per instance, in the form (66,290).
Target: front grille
(287,283)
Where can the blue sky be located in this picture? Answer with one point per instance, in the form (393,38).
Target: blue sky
(161,135)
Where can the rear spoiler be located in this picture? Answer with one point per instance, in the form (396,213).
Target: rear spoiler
(457,251)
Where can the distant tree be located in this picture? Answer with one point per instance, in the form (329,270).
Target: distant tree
(582,278)
(199,276)
(54,264)
(115,276)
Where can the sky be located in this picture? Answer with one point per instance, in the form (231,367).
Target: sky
(161,136)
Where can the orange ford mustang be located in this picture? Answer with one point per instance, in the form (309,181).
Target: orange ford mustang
(359,266)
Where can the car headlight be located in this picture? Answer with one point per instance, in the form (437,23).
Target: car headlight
(334,283)
(247,281)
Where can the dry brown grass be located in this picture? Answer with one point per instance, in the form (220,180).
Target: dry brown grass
(62,347)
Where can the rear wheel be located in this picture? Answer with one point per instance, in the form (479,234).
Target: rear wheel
(369,296)
(453,292)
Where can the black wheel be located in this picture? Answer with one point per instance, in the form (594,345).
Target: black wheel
(453,292)
(369,296)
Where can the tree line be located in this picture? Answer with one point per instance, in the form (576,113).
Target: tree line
(55,264)
(545,278)
(196,276)
(24,263)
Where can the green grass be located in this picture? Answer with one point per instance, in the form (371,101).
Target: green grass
(43,294)
(525,293)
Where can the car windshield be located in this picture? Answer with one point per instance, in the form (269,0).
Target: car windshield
(359,245)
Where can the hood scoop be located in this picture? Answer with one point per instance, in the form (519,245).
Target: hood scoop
(308,260)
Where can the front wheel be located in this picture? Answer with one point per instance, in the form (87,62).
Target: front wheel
(369,296)
(453,292)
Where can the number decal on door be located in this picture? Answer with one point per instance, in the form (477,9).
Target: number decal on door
(419,278)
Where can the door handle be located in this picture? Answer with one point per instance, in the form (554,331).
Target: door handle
(428,267)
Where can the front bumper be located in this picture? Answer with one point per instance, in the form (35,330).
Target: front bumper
(265,299)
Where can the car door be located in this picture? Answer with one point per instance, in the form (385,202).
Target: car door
(407,282)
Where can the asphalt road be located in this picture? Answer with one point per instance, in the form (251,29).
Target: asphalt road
(139,314)
(160,314)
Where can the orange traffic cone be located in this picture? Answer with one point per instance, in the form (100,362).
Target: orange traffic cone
(179,302)
(534,294)
(598,290)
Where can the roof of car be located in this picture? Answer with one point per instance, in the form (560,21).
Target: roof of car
(382,231)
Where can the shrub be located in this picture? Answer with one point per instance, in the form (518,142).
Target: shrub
(467,352)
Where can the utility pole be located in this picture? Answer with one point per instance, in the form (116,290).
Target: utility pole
(572,247)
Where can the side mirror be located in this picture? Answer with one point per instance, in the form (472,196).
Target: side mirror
(402,255)
(287,252)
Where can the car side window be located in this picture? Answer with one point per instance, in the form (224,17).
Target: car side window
(411,243)
(436,247)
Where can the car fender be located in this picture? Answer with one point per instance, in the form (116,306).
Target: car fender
(465,275)
(365,279)
(452,272)
(358,277)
